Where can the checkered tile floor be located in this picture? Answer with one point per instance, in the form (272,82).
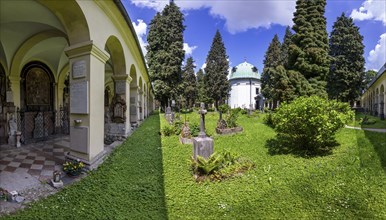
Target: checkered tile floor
(38,159)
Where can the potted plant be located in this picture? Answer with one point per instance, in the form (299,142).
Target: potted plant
(73,167)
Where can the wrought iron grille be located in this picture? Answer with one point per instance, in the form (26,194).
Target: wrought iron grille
(39,125)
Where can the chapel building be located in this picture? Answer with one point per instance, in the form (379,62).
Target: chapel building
(245,87)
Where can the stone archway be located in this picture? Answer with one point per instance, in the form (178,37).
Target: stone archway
(116,123)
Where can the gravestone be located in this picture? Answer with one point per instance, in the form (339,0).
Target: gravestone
(169,115)
(115,120)
(202,145)
(118,109)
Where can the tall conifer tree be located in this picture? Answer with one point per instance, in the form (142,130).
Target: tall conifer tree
(216,71)
(347,62)
(189,82)
(202,94)
(285,47)
(271,61)
(308,54)
(165,52)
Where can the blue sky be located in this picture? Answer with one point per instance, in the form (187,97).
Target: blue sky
(248,26)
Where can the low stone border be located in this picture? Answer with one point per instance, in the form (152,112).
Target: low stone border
(229,130)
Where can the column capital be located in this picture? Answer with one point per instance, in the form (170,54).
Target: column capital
(86,48)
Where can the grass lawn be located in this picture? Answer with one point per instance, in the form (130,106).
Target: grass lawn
(128,185)
(359,117)
(348,184)
(149,178)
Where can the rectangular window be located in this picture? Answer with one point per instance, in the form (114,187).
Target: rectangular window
(257,91)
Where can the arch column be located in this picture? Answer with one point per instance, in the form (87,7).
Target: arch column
(87,66)
(134,100)
(140,104)
(122,88)
(145,105)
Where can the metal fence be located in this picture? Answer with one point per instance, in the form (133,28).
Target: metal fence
(40,125)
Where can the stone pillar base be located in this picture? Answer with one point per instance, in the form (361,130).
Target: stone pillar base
(89,165)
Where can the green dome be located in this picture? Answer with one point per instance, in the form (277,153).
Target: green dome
(244,71)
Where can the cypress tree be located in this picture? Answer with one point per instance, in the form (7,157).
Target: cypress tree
(271,61)
(216,71)
(189,82)
(202,94)
(165,52)
(308,54)
(347,62)
(285,47)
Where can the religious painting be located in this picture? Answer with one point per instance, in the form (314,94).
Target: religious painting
(37,87)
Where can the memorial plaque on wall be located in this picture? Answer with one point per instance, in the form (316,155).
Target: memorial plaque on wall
(78,139)
(79,97)
(79,69)
(9,96)
(120,87)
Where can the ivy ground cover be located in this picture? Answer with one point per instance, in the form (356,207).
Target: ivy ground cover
(350,183)
(148,177)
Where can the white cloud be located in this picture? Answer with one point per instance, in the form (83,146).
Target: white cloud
(377,56)
(238,15)
(371,9)
(189,49)
(140,29)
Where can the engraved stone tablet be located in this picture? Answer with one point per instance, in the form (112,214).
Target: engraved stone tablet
(120,87)
(9,96)
(79,139)
(79,97)
(79,69)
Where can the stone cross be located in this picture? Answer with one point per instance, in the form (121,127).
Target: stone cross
(202,113)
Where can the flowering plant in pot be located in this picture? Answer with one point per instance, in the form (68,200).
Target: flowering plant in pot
(73,167)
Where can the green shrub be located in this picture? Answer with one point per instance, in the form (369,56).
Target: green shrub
(220,166)
(231,119)
(367,121)
(268,119)
(177,126)
(167,130)
(244,111)
(208,166)
(309,123)
(236,110)
(194,129)
(224,108)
